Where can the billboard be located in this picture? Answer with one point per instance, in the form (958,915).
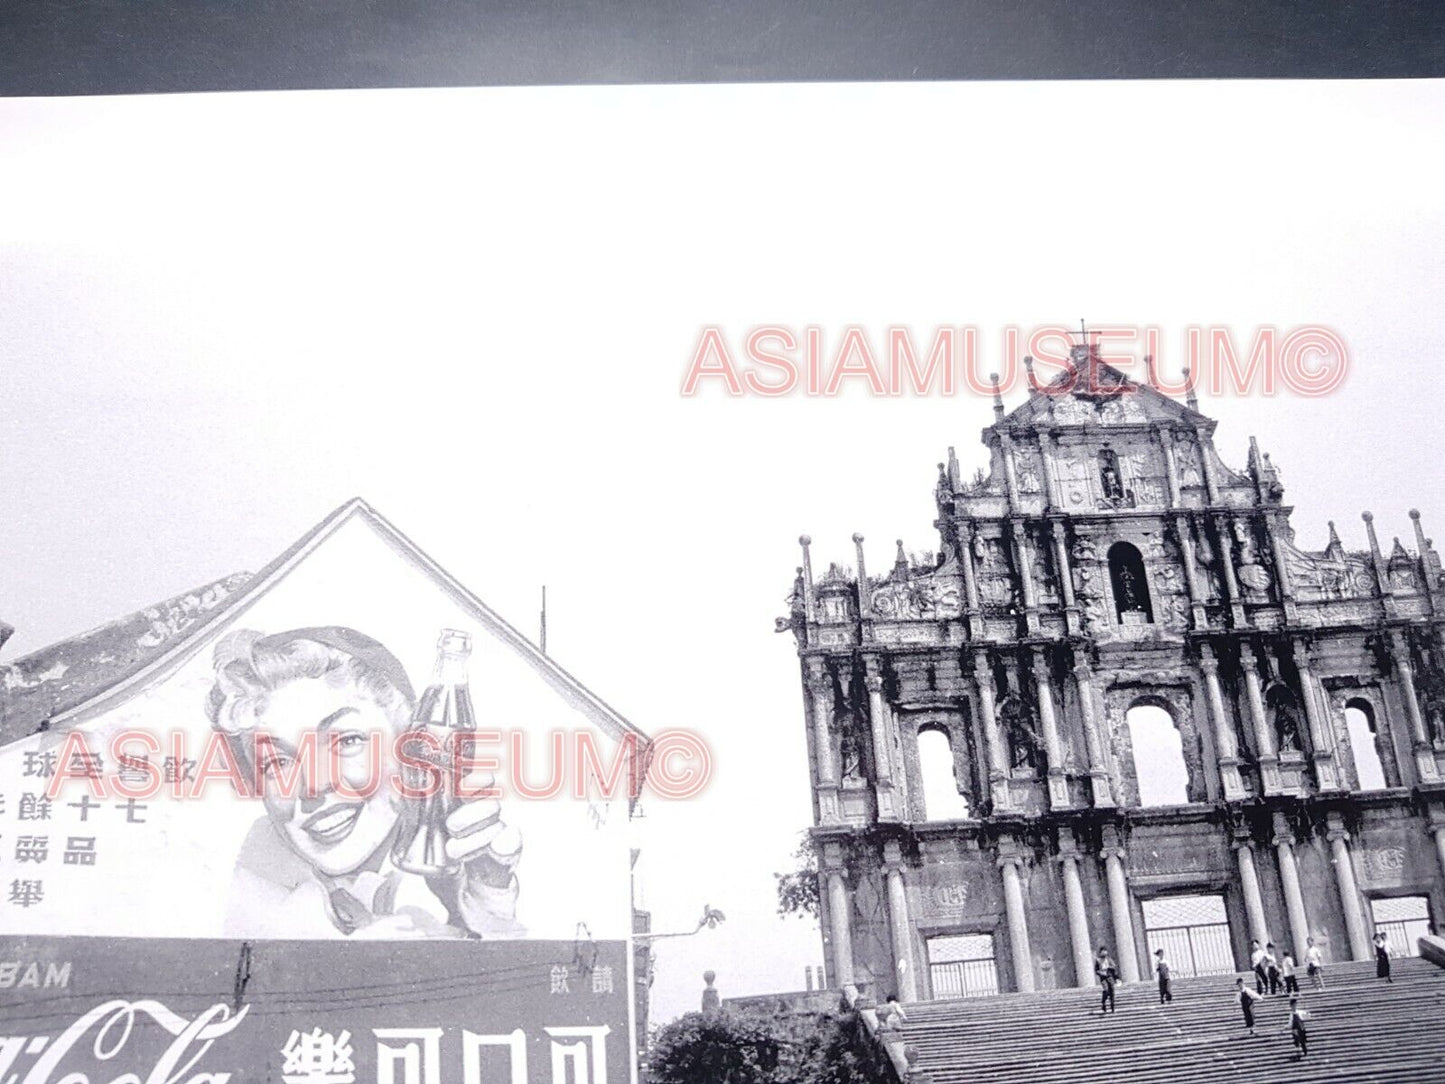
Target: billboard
(173,1011)
(255,796)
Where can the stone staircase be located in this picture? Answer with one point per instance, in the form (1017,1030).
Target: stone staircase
(1361,1029)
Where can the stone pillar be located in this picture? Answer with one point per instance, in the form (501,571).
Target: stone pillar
(899,924)
(1024,562)
(1382,573)
(1274,527)
(1211,482)
(1259,722)
(809,609)
(1171,468)
(1437,829)
(1321,740)
(972,612)
(1294,900)
(1360,948)
(1420,737)
(1232,593)
(1226,750)
(1099,783)
(1010,470)
(1051,483)
(988,722)
(1018,927)
(838,924)
(1078,916)
(820,691)
(865,600)
(882,744)
(1119,906)
(1048,724)
(1191,573)
(1253,901)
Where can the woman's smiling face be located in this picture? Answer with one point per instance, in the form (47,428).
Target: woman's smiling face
(336,832)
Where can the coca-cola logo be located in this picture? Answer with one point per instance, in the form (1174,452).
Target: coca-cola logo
(107,1030)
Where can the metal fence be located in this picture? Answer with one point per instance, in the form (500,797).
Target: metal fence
(963,978)
(1193,950)
(1403,920)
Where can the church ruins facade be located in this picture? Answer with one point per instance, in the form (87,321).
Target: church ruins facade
(1120,706)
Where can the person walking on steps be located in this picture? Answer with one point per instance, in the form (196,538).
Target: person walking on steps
(1247,998)
(1256,964)
(1315,963)
(1108,976)
(1271,969)
(1161,967)
(1297,1018)
(1287,970)
(1382,957)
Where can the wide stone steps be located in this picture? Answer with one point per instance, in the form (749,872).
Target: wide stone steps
(1361,1029)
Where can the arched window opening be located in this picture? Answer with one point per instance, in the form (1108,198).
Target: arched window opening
(1158,756)
(1130,583)
(1365,741)
(941,799)
(1109,478)
(1284,716)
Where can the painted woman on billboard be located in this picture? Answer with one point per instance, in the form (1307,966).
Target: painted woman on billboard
(327,860)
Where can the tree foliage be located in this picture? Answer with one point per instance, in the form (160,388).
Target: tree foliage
(747,1047)
(798,889)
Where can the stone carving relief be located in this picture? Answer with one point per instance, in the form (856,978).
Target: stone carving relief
(1069,410)
(1384,865)
(924,598)
(1121,410)
(1028,471)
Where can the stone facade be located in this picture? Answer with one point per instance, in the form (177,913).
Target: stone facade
(1108,559)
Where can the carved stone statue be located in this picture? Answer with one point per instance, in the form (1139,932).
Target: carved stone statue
(1022,741)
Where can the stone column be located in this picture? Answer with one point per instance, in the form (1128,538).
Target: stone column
(1259,721)
(1048,724)
(1349,892)
(899,924)
(1050,479)
(1420,737)
(1024,562)
(1010,470)
(809,610)
(1078,916)
(865,601)
(882,744)
(1382,572)
(1171,469)
(1191,572)
(820,691)
(1099,782)
(988,721)
(1211,482)
(972,611)
(1321,740)
(838,924)
(1018,927)
(1113,853)
(1294,900)
(1437,829)
(1226,751)
(1232,593)
(1253,901)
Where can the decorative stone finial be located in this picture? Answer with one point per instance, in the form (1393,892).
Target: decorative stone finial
(804,540)
(857,539)
(1368,517)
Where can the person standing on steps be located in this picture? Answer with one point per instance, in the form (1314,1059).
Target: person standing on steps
(1315,963)
(1297,1018)
(1271,969)
(1287,970)
(1382,957)
(1256,964)
(1161,967)
(1247,998)
(1108,976)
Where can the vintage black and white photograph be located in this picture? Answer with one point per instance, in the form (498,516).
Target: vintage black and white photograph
(692,549)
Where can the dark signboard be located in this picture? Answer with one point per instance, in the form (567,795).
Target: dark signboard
(90,1010)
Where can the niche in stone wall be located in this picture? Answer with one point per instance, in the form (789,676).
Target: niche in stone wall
(1130,583)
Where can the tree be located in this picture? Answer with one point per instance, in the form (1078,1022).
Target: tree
(798,890)
(740,1047)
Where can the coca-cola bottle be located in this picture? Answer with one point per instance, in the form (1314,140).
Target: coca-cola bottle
(443,710)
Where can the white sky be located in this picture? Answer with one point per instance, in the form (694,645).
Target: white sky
(221,315)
